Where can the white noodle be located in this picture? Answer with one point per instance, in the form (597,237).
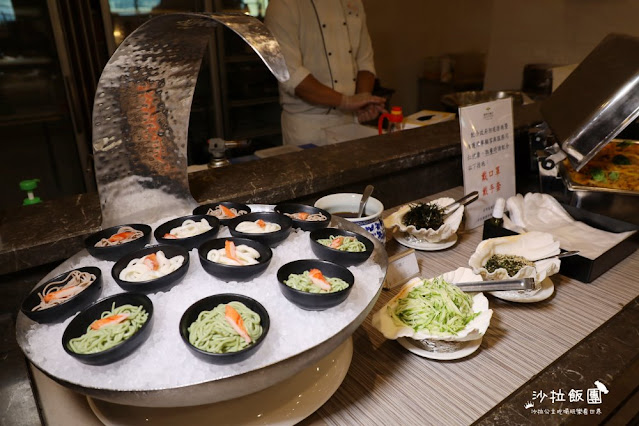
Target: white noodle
(138,270)
(253,228)
(247,255)
(190,228)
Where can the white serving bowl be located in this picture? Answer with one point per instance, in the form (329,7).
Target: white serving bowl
(349,202)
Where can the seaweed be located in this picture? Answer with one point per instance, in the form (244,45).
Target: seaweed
(422,215)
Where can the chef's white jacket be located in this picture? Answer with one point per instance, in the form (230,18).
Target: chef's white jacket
(326,38)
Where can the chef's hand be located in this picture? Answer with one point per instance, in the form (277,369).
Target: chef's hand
(351,103)
(369,112)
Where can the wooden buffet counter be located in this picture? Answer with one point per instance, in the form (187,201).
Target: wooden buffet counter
(527,348)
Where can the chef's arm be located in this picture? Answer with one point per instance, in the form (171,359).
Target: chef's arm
(365,82)
(314,92)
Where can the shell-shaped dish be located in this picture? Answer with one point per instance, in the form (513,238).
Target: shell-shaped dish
(475,329)
(444,232)
(530,245)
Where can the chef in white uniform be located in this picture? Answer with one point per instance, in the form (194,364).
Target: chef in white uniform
(329,56)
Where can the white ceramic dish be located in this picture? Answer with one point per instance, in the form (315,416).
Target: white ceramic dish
(546,290)
(349,202)
(468,348)
(392,328)
(443,233)
(409,241)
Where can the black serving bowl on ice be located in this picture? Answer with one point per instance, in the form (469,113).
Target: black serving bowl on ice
(232,272)
(209,303)
(189,242)
(271,239)
(315,301)
(304,225)
(78,327)
(113,253)
(344,258)
(158,284)
(62,311)
(230,204)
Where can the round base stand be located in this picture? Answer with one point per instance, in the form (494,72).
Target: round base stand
(286,403)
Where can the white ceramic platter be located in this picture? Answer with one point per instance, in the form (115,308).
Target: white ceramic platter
(547,289)
(406,240)
(468,348)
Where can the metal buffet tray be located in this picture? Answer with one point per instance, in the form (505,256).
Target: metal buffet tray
(615,203)
(597,101)
(203,390)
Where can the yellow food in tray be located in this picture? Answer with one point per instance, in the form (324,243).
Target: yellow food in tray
(616,166)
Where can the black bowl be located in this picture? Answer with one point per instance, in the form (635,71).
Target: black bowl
(78,326)
(231,205)
(62,311)
(315,301)
(158,284)
(190,242)
(344,258)
(113,253)
(232,272)
(271,239)
(304,225)
(208,304)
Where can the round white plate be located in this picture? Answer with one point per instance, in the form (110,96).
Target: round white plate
(404,240)
(546,290)
(286,403)
(468,348)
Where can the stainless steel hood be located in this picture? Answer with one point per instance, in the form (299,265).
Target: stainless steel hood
(598,100)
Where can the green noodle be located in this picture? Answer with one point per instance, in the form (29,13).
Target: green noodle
(351,244)
(211,332)
(303,282)
(436,307)
(94,341)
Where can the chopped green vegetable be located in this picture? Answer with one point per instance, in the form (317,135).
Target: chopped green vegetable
(613,176)
(427,216)
(512,264)
(597,174)
(621,160)
(435,306)
(624,144)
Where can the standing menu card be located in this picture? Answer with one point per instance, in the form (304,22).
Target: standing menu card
(488,156)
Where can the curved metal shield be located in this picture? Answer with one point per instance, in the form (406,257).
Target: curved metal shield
(141,112)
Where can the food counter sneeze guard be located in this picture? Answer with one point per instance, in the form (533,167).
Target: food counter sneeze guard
(597,101)
(141,112)
(140,127)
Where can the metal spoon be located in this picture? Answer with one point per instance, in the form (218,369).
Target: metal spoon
(362,203)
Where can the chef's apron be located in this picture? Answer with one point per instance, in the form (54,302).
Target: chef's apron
(301,129)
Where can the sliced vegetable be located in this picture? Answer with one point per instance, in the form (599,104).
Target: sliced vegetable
(435,306)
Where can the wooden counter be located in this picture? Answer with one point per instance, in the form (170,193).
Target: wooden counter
(388,385)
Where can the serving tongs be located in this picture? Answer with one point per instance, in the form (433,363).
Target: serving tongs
(466,199)
(502,285)
(559,255)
